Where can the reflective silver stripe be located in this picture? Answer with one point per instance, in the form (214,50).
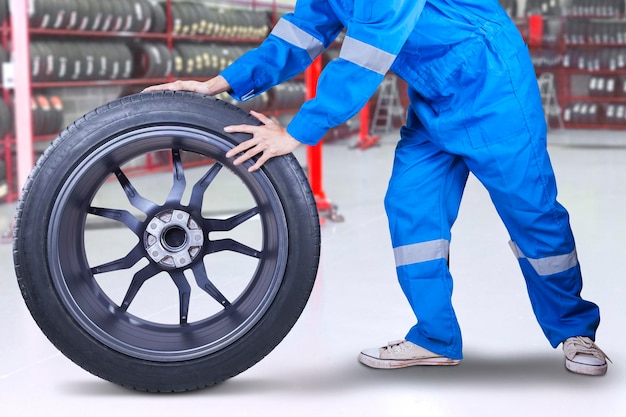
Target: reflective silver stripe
(366,56)
(291,33)
(421,252)
(248,95)
(549,265)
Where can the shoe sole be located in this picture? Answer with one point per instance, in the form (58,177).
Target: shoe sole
(405,363)
(585,369)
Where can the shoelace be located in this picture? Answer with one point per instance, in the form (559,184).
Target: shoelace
(397,346)
(588,347)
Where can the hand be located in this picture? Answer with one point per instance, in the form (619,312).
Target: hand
(269,140)
(211,87)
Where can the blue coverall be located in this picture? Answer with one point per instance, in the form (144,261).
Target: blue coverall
(474,106)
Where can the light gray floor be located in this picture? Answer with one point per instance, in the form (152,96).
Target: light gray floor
(509,368)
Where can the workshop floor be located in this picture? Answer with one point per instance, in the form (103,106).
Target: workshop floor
(509,368)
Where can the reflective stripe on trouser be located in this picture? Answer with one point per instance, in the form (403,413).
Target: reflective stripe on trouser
(422,203)
(486,119)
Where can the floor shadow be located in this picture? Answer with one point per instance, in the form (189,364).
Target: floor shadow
(475,372)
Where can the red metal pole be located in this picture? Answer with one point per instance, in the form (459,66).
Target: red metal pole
(314,153)
(23,115)
(365,140)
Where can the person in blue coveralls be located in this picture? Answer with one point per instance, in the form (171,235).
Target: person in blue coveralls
(474,107)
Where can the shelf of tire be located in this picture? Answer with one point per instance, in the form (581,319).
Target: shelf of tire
(4,11)
(6,119)
(595,53)
(87,43)
(47,122)
(143,16)
(4,57)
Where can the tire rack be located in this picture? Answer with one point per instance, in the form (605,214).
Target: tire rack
(6,138)
(584,47)
(16,36)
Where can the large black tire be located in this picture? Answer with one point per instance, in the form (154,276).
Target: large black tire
(92,304)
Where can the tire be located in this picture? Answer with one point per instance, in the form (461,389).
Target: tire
(4,57)
(159,18)
(4,10)
(95,309)
(5,119)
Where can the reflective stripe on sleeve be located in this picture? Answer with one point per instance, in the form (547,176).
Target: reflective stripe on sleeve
(421,252)
(549,265)
(366,56)
(292,34)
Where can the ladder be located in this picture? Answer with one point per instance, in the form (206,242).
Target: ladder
(388,106)
(549,98)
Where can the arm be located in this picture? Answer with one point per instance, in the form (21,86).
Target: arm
(296,40)
(375,35)
(210,87)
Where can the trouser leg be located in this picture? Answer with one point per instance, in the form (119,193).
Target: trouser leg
(519,177)
(422,203)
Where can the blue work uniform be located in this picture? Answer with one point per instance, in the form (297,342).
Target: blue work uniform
(474,107)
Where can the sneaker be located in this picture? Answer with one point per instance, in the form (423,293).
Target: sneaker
(400,354)
(582,356)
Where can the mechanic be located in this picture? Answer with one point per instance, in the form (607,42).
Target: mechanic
(474,107)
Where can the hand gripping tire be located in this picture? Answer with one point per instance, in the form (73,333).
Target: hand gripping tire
(164,293)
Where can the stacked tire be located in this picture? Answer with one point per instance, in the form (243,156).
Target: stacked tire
(590,113)
(6,127)
(542,7)
(586,32)
(596,8)
(6,119)
(203,60)
(96,15)
(47,114)
(4,11)
(4,57)
(510,6)
(585,113)
(191,18)
(615,114)
(152,60)
(596,60)
(288,95)
(79,61)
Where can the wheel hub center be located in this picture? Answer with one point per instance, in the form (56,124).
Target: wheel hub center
(173,239)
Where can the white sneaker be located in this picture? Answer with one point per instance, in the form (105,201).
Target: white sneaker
(582,356)
(400,354)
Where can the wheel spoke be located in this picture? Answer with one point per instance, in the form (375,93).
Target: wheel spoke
(232,245)
(203,183)
(223,225)
(178,186)
(138,280)
(184,292)
(121,216)
(203,282)
(126,262)
(133,196)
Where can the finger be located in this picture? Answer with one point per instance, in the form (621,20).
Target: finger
(259,163)
(242,129)
(250,153)
(262,118)
(241,148)
(164,87)
(154,88)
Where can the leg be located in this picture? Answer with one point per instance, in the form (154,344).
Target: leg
(519,177)
(422,203)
